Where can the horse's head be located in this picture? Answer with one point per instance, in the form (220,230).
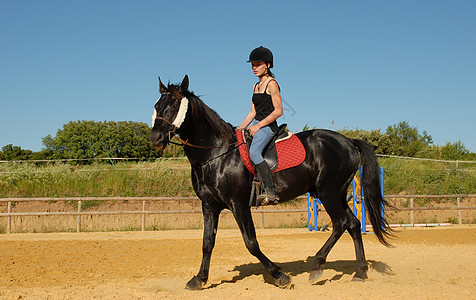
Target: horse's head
(169,112)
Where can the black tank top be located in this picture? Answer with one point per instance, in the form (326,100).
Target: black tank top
(264,107)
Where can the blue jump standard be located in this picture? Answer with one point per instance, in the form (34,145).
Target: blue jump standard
(312,209)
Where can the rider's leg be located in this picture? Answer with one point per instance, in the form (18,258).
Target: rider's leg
(260,141)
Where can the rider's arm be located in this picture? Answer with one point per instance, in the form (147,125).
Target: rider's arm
(249,118)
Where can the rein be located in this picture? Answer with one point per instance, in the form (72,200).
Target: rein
(184,143)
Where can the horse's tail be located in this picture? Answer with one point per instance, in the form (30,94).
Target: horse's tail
(372,193)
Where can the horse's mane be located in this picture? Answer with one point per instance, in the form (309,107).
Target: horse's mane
(198,108)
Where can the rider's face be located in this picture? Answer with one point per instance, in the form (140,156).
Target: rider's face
(259,68)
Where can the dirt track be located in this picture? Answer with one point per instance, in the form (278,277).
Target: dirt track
(425,263)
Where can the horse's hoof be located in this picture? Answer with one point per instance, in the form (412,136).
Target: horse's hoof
(195,284)
(357,279)
(314,275)
(283,281)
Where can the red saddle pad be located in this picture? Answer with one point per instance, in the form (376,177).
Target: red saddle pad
(290,151)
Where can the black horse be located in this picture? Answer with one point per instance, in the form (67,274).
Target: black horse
(221,180)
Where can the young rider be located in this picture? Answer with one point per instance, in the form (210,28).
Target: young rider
(266,107)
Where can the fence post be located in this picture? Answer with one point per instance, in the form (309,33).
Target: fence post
(459,210)
(143,215)
(411,211)
(9,220)
(262,216)
(78,224)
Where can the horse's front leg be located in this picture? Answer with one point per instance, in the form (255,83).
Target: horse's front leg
(210,221)
(245,222)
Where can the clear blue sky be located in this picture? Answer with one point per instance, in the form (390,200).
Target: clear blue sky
(340,64)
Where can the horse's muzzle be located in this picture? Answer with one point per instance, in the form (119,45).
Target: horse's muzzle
(158,140)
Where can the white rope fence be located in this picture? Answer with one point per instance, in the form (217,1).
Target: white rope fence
(429,159)
(184,158)
(87,159)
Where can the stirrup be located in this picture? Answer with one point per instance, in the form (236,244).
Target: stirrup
(263,199)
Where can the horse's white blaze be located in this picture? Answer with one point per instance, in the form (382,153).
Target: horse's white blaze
(154,116)
(181,113)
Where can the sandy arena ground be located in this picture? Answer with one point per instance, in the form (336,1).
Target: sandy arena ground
(426,263)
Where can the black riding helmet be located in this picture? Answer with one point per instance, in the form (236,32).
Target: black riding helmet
(261,54)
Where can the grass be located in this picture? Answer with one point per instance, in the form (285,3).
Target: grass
(428,178)
(453,220)
(160,178)
(172,178)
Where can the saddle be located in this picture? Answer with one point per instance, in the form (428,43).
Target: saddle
(270,154)
(284,151)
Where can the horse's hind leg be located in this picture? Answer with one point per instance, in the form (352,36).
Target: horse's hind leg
(210,218)
(354,231)
(339,225)
(342,219)
(245,222)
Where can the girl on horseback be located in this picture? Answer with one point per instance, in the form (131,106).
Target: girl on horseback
(266,108)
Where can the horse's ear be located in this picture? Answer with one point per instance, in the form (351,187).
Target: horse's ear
(162,88)
(184,85)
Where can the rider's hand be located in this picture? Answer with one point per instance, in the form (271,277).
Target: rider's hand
(254,129)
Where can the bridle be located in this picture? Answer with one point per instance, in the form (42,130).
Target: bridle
(178,122)
(173,135)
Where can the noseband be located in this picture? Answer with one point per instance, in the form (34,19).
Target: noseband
(168,122)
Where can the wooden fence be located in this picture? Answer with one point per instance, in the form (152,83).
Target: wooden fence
(144,212)
(412,208)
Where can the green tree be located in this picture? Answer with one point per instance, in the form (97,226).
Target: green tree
(406,140)
(11,152)
(89,139)
(43,154)
(454,151)
(379,141)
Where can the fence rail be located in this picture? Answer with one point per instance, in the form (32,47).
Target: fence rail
(144,212)
(411,207)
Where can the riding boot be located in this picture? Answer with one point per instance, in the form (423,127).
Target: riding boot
(270,195)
